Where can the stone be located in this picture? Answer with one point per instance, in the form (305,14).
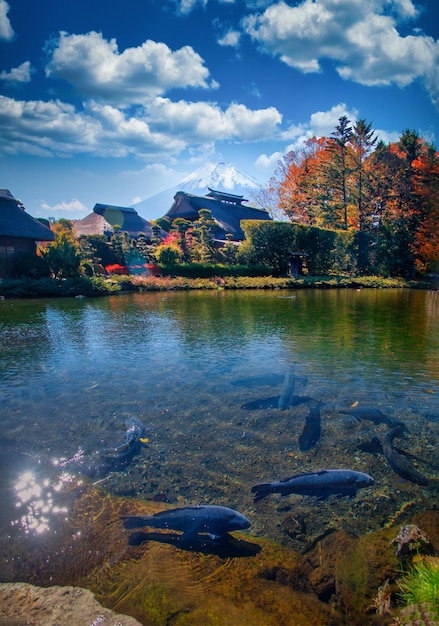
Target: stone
(22,604)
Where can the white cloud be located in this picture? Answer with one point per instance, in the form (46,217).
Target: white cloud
(360,36)
(389,136)
(20,74)
(161,130)
(405,8)
(267,163)
(55,128)
(202,121)
(231,38)
(96,68)
(73,205)
(186,6)
(6,31)
(253,125)
(320,124)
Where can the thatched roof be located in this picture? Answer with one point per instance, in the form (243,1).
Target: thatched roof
(227,211)
(15,222)
(106,217)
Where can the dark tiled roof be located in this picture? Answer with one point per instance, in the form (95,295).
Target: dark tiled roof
(227,215)
(15,222)
(105,217)
(227,197)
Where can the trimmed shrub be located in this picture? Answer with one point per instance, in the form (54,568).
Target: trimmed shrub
(209,270)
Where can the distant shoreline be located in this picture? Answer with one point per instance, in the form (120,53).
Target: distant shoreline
(104,286)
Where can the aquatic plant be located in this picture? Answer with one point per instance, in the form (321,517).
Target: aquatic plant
(411,540)
(382,602)
(419,591)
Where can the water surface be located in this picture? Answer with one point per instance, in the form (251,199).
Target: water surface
(190,364)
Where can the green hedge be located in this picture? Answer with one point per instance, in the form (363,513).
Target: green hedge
(209,270)
(326,251)
(52,288)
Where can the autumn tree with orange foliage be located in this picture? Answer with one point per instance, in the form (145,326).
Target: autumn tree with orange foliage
(299,185)
(390,193)
(426,186)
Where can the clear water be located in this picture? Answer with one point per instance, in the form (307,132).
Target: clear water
(186,363)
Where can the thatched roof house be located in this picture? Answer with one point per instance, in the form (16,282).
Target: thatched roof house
(227,210)
(19,232)
(106,218)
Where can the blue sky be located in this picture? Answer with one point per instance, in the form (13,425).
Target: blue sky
(112,102)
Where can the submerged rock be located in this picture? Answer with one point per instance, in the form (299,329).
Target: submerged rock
(24,604)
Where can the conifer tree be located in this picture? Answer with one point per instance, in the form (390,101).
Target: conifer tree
(363,142)
(337,172)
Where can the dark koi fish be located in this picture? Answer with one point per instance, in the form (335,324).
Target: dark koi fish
(320,484)
(192,520)
(398,463)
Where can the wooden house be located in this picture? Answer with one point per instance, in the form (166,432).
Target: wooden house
(19,232)
(106,218)
(227,210)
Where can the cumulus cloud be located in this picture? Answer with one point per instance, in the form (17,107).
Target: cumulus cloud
(56,128)
(230,38)
(320,124)
(405,8)
(357,35)
(203,121)
(72,206)
(20,74)
(6,31)
(96,68)
(268,162)
(163,129)
(186,6)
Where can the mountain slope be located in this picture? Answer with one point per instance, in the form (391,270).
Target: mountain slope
(220,176)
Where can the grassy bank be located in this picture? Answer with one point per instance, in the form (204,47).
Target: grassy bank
(100,286)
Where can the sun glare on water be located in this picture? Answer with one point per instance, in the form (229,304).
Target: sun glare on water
(35,499)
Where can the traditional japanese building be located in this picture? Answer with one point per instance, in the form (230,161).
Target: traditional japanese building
(19,232)
(106,218)
(227,210)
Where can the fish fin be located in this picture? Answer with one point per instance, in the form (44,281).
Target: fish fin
(317,473)
(261,491)
(135,521)
(191,532)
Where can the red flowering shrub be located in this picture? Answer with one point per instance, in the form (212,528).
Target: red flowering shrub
(117,269)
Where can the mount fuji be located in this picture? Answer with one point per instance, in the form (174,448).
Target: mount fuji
(219,176)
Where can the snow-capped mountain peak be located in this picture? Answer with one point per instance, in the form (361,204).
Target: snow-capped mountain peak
(218,176)
(221,176)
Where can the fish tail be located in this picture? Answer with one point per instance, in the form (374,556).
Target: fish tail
(136,521)
(261,491)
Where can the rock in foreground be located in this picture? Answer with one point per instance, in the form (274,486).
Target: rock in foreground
(26,605)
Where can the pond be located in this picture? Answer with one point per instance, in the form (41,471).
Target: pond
(204,372)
